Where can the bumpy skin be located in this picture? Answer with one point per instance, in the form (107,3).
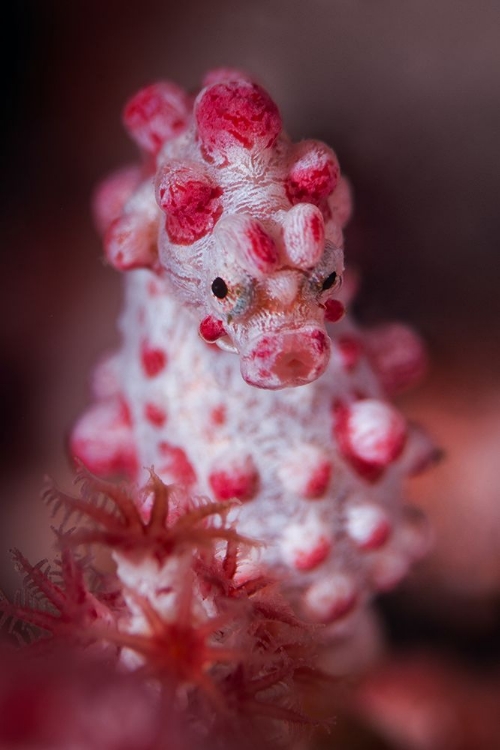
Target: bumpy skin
(237,376)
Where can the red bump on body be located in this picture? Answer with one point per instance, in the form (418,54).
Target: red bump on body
(211,329)
(398,356)
(368,526)
(313,175)
(111,195)
(218,415)
(330,599)
(234,478)
(318,481)
(334,310)
(306,471)
(304,235)
(350,350)
(309,559)
(190,200)
(156,114)
(155,414)
(103,439)
(305,545)
(243,238)
(261,248)
(236,113)
(370,434)
(153,360)
(129,242)
(176,466)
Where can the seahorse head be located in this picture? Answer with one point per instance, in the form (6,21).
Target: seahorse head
(248,225)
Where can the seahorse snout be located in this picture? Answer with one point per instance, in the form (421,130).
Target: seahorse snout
(285,359)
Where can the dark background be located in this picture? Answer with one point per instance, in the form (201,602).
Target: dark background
(407,93)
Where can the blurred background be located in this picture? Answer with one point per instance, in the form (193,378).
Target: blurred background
(408,94)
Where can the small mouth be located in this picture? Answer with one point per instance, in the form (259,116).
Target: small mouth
(288,367)
(286,359)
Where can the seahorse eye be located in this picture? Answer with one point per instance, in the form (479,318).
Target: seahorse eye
(329,281)
(219,288)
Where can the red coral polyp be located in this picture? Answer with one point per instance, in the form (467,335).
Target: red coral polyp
(66,609)
(117,520)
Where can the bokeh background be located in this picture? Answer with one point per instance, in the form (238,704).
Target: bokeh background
(408,94)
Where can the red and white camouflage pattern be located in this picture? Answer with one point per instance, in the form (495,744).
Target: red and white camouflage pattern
(239,376)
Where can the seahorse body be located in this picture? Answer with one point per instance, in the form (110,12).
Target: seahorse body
(238,375)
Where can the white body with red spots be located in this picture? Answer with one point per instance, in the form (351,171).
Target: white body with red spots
(237,376)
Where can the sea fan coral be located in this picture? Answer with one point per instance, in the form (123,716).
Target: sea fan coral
(229,659)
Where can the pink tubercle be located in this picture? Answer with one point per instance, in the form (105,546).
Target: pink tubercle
(331,599)
(128,242)
(236,113)
(211,329)
(334,310)
(304,235)
(154,414)
(314,174)
(153,360)
(318,481)
(368,526)
(310,559)
(234,478)
(397,354)
(306,472)
(218,415)
(190,200)
(111,195)
(350,350)
(157,114)
(103,439)
(370,434)
(261,248)
(176,466)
